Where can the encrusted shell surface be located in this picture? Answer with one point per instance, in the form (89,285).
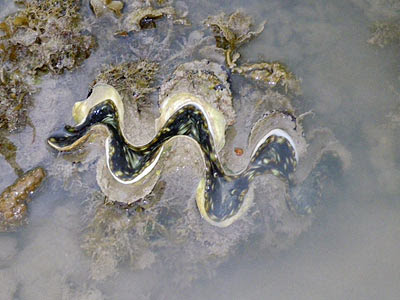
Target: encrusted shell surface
(204,79)
(279,120)
(125,193)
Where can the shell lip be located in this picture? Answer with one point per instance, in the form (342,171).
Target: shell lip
(215,119)
(229,220)
(281,133)
(143,172)
(99,93)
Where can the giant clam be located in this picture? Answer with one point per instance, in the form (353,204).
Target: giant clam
(272,212)
(221,197)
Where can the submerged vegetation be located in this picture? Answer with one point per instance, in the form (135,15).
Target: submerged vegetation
(113,235)
(15,97)
(144,18)
(233,31)
(270,75)
(9,151)
(385,33)
(133,80)
(43,36)
(133,233)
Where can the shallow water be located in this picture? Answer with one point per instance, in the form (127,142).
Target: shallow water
(351,249)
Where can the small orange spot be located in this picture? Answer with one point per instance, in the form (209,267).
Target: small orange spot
(239,151)
(121,33)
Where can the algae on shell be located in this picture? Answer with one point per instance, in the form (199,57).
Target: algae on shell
(171,232)
(205,79)
(170,221)
(133,80)
(125,233)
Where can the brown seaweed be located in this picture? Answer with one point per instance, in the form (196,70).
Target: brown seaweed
(270,75)
(231,32)
(9,151)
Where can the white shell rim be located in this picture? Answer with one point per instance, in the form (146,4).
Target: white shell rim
(277,132)
(146,171)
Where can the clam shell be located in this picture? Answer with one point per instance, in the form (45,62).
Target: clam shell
(100,93)
(216,120)
(177,149)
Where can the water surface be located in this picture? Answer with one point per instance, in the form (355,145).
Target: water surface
(350,251)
